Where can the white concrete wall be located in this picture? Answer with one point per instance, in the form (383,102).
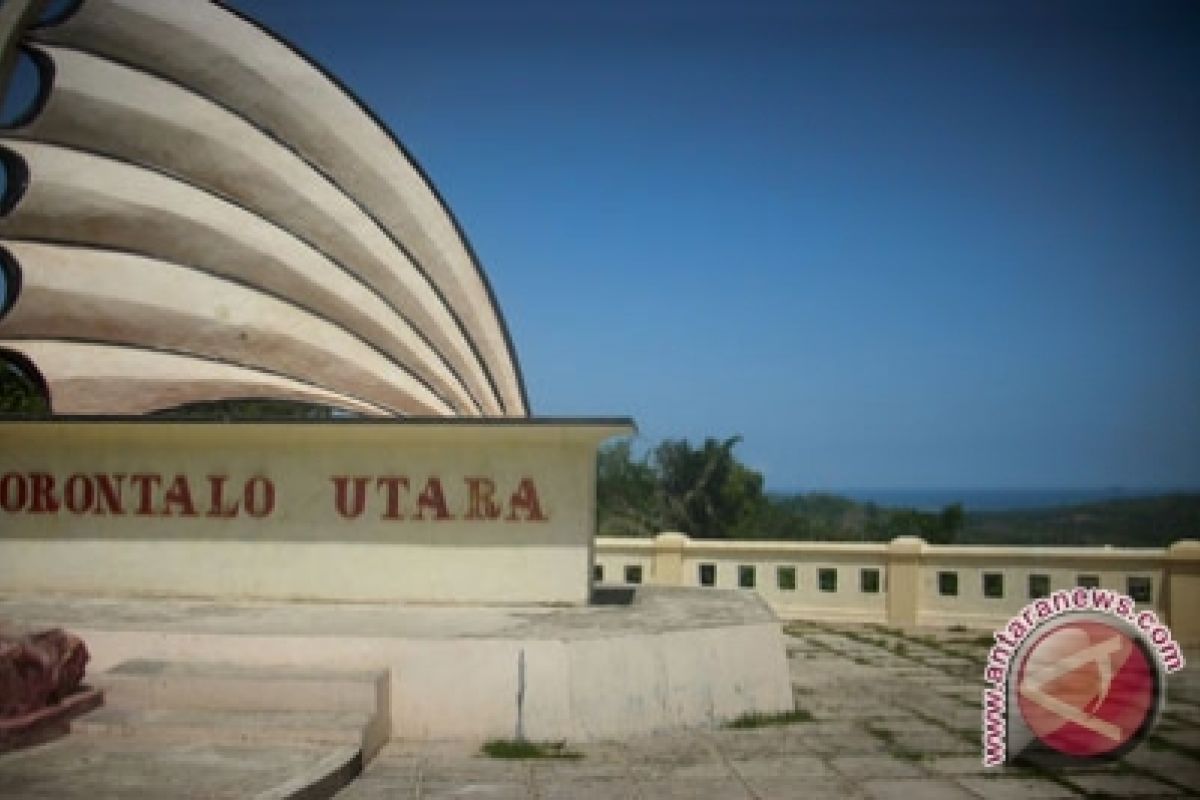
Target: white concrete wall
(1063,566)
(304,548)
(845,601)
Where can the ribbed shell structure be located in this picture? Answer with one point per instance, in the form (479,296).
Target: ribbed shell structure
(196,211)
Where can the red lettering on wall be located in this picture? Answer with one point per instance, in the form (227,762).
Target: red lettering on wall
(216,499)
(79,494)
(43,494)
(347,507)
(151,494)
(433,499)
(109,494)
(145,482)
(392,483)
(179,493)
(482,497)
(525,498)
(14,492)
(259,503)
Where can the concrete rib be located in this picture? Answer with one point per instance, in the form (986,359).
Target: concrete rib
(109,108)
(217,54)
(119,298)
(95,379)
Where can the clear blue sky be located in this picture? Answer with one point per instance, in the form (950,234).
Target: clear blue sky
(891,244)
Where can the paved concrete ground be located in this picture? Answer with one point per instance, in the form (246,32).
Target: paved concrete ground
(892,716)
(146,768)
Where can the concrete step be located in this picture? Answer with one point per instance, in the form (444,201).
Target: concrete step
(228,727)
(236,687)
(231,703)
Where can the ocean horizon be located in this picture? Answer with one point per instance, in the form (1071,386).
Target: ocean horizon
(993,499)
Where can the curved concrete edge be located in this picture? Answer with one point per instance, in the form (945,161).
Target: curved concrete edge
(325,778)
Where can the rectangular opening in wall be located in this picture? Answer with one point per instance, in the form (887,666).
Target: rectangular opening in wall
(1088,581)
(827,579)
(785,579)
(1039,586)
(993,584)
(597,572)
(1139,588)
(868,581)
(745,577)
(948,584)
(708,574)
(633,573)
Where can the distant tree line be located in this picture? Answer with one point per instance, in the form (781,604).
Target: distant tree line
(706,492)
(1154,521)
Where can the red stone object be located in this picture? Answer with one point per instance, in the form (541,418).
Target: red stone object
(39,670)
(40,686)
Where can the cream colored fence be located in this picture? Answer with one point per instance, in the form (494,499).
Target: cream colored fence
(907,582)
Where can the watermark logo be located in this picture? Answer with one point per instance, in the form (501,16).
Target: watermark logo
(1077,675)
(1087,688)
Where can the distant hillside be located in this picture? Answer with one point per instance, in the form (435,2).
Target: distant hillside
(705,491)
(1137,522)
(1141,522)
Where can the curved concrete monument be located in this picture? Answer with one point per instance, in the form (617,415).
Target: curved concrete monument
(194,205)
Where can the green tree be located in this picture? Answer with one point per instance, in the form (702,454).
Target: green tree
(626,502)
(774,520)
(702,491)
(705,492)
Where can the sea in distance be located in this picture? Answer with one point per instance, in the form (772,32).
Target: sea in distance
(992,499)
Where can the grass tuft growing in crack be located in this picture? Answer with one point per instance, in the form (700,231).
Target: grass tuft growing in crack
(516,748)
(755,720)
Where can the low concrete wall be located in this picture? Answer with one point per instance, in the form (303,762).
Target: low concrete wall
(431,511)
(466,688)
(907,582)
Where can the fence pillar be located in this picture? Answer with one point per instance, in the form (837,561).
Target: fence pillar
(904,581)
(667,568)
(1182,593)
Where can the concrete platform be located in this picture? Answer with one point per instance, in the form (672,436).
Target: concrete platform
(656,659)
